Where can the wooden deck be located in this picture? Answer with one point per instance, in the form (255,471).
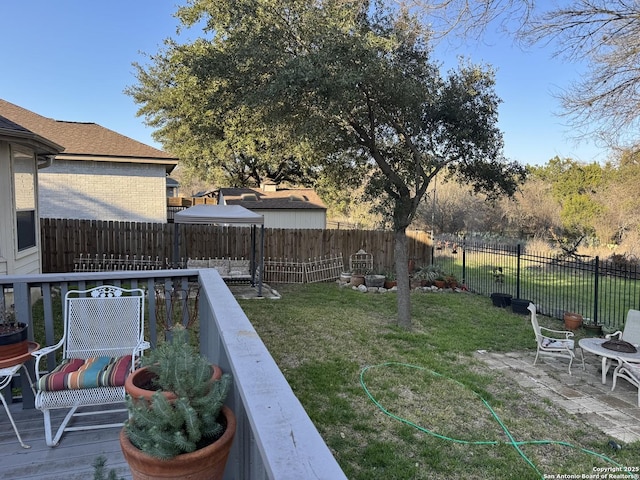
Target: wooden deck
(72,459)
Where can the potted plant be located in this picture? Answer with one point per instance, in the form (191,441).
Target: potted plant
(440,281)
(592,327)
(13,335)
(429,274)
(184,431)
(390,280)
(451,281)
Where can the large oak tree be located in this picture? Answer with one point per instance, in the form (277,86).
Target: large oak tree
(343,86)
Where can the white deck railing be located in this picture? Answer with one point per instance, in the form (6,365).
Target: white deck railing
(275,439)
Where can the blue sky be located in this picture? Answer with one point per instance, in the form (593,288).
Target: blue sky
(71,60)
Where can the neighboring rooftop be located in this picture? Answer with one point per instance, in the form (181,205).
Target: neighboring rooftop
(269,199)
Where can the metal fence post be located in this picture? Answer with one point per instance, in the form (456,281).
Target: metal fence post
(464,262)
(518,272)
(596,272)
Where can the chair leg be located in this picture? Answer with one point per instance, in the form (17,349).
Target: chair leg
(47,428)
(536,359)
(570,362)
(53,442)
(13,424)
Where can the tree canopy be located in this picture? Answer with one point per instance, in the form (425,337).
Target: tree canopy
(340,87)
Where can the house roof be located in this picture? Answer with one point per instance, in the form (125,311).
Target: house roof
(86,141)
(281,199)
(17,133)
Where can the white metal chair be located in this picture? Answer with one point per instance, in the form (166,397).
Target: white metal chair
(553,343)
(631,331)
(630,372)
(102,340)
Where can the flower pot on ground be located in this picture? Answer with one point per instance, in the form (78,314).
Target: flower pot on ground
(593,329)
(572,321)
(519,305)
(374,280)
(451,281)
(390,280)
(357,280)
(167,432)
(501,300)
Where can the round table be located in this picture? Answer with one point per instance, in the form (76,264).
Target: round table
(594,345)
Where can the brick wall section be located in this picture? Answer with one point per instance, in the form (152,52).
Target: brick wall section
(90,190)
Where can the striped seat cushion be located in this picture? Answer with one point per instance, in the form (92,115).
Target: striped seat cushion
(77,373)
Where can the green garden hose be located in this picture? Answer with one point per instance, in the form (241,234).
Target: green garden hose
(512,441)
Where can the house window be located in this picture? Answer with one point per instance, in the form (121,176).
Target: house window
(24,188)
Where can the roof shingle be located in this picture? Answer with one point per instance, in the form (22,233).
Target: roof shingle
(79,138)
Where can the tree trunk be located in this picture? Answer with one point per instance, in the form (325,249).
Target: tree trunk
(402,276)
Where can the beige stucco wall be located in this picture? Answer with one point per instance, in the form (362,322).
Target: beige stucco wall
(91,190)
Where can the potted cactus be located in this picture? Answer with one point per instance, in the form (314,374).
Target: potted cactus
(187,433)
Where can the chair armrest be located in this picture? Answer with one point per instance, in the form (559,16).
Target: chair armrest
(41,353)
(632,363)
(566,333)
(614,334)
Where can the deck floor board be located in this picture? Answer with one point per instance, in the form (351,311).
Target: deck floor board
(72,459)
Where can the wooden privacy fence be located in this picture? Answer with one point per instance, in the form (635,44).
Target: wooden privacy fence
(63,240)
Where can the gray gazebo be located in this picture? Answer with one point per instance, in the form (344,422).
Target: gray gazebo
(224,215)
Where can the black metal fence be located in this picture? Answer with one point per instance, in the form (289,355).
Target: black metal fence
(601,291)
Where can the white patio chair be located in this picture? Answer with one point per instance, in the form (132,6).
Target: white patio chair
(102,340)
(630,372)
(631,331)
(553,343)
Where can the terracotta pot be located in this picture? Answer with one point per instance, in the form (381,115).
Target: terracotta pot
(572,321)
(14,344)
(389,284)
(138,383)
(440,283)
(206,463)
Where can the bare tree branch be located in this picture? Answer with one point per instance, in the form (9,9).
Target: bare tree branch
(605,33)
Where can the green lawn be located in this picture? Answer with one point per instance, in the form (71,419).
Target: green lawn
(423,413)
